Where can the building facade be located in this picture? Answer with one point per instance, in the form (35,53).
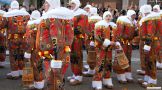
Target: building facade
(119,4)
(37,3)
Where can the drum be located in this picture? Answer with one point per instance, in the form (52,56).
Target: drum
(28,75)
(122,59)
(91,58)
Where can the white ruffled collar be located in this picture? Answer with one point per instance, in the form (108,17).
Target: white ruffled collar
(101,23)
(80,11)
(95,17)
(2,12)
(60,13)
(105,24)
(16,13)
(34,21)
(151,15)
(124,19)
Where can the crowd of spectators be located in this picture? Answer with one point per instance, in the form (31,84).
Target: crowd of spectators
(116,12)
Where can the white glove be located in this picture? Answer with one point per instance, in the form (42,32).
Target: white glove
(92,43)
(147,48)
(7,52)
(106,42)
(117,44)
(27,55)
(5,33)
(35,29)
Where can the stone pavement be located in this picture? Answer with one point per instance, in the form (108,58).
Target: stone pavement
(6,84)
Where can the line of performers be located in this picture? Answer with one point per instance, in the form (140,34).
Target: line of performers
(41,48)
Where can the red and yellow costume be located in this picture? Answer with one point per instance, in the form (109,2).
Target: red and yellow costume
(54,39)
(80,26)
(141,72)
(16,28)
(2,39)
(149,35)
(31,52)
(104,33)
(91,58)
(125,34)
(159,63)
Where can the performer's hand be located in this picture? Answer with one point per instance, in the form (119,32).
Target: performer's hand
(118,46)
(92,43)
(106,42)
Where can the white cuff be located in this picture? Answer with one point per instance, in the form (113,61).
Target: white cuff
(128,75)
(71,77)
(118,77)
(157,64)
(27,55)
(15,73)
(107,82)
(97,84)
(152,81)
(20,72)
(39,85)
(2,63)
(123,78)
(160,66)
(147,48)
(79,78)
(106,42)
(92,43)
